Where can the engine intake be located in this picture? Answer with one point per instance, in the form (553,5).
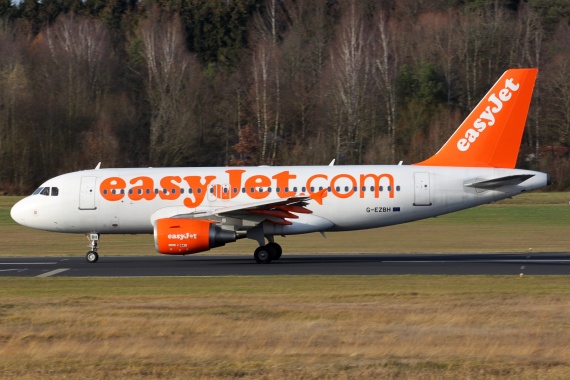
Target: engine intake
(184,236)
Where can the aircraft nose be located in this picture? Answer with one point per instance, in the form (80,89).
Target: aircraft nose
(21,212)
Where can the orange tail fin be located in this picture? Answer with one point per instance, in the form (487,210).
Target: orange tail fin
(492,133)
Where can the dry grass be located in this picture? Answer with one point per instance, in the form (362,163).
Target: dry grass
(286,327)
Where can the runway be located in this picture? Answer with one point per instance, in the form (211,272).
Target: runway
(295,265)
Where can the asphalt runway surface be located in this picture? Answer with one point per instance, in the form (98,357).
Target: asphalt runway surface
(354,264)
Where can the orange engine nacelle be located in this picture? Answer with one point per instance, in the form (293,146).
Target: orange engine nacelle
(183,236)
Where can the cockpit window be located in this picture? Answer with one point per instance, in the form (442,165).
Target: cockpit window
(46,191)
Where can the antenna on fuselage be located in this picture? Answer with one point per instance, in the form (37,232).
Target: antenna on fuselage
(98,166)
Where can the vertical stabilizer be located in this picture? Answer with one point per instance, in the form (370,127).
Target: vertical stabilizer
(491,135)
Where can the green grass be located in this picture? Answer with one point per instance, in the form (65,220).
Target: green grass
(535,221)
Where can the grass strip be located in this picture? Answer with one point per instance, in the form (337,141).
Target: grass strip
(310,327)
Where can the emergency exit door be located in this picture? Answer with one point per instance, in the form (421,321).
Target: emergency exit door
(87,193)
(422,189)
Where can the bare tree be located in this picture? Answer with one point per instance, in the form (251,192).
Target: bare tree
(267,81)
(386,68)
(350,70)
(170,78)
(79,46)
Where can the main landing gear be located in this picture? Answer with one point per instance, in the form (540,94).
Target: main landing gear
(266,253)
(92,255)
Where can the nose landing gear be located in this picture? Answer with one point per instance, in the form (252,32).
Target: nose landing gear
(92,256)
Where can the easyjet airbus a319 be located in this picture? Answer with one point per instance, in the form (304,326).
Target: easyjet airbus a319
(192,210)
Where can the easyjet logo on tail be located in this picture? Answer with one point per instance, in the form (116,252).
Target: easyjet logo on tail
(488,116)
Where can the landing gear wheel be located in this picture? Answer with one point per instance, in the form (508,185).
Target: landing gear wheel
(278,250)
(264,254)
(92,256)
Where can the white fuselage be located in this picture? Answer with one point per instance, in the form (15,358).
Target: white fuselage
(128,201)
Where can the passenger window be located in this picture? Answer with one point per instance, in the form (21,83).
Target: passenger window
(45,191)
(54,191)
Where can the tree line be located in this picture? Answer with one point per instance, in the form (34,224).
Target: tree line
(267,82)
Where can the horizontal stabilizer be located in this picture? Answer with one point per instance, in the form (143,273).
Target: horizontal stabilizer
(491,184)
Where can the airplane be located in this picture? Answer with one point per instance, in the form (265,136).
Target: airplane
(191,210)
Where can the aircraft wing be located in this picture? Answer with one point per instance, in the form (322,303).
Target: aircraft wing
(273,211)
(511,180)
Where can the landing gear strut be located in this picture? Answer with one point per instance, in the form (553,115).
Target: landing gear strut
(266,253)
(92,255)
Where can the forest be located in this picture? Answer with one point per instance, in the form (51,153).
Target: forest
(136,83)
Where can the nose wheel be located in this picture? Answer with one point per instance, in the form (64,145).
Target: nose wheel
(92,256)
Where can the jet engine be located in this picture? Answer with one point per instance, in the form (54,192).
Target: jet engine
(183,236)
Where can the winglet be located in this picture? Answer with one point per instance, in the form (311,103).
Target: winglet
(491,135)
